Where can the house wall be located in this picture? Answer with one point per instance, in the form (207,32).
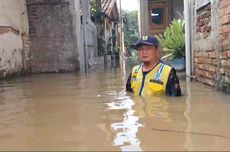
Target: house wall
(177,6)
(53,35)
(223,79)
(205,52)
(14,45)
(211,43)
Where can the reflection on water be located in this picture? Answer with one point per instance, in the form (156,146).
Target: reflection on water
(188,143)
(136,109)
(152,107)
(94,112)
(126,130)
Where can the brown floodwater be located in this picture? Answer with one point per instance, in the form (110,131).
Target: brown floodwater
(94,112)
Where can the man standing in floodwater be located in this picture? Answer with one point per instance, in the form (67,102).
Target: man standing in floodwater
(152,76)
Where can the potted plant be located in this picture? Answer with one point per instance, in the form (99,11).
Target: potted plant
(173,43)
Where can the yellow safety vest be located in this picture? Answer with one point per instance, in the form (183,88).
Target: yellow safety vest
(153,83)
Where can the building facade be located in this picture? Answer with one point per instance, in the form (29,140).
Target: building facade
(14,31)
(53,35)
(156,15)
(39,36)
(209,32)
(110,8)
(211,42)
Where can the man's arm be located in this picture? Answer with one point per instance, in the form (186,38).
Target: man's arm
(173,85)
(128,84)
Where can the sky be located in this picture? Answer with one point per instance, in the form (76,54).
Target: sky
(129,5)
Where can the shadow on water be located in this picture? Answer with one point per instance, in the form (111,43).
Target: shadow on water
(94,112)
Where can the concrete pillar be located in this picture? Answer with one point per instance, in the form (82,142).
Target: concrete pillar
(143,17)
(187,38)
(85,15)
(77,32)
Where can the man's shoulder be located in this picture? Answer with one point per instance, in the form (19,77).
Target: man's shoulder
(166,64)
(137,66)
(170,68)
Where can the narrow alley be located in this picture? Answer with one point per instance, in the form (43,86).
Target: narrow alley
(74,112)
(69,80)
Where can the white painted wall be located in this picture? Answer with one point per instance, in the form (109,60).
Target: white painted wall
(13,17)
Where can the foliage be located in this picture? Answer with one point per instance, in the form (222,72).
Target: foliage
(130,20)
(173,39)
(97,15)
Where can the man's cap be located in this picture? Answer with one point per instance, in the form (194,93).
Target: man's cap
(146,40)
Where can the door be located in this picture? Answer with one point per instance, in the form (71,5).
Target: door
(158,16)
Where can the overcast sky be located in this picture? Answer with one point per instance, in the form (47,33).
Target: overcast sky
(129,4)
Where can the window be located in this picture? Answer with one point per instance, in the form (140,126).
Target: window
(157,15)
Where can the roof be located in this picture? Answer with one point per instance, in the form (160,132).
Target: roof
(108,6)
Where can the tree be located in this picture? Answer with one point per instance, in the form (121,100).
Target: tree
(130,20)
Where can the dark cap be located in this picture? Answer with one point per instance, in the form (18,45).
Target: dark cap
(146,40)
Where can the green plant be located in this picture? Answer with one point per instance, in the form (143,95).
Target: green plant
(173,40)
(130,20)
(97,15)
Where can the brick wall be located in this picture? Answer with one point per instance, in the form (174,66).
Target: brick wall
(224,31)
(203,24)
(51,35)
(205,57)
(211,44)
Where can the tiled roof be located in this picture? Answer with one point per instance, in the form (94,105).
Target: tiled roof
(107,6)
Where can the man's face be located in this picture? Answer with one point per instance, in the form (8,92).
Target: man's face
(147,53)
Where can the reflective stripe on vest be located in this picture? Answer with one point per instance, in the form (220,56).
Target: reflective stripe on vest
(158,75)
(136,71)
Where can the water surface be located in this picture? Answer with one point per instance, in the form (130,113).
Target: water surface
(94,112)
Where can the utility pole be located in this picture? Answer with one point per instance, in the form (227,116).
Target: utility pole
(98,27)
(78,33)
(121,40)
(85,15)
(187,39)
